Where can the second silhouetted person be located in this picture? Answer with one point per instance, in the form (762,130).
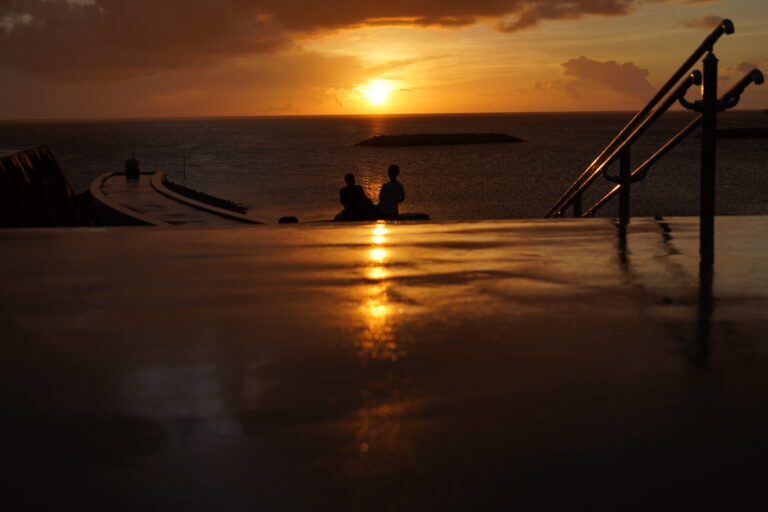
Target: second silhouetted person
(391,194)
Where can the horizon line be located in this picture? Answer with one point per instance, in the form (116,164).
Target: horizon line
(288,116)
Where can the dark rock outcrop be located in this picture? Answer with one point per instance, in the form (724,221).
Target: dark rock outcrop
(35,193)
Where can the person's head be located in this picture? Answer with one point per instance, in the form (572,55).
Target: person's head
(393,171)
(349,178)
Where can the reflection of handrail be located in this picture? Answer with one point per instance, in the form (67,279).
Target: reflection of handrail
(705,303)
(754,76)
(613,148)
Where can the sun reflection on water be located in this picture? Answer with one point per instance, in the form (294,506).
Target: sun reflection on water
(380,434)
(378,254)
(377,273)
(377,340)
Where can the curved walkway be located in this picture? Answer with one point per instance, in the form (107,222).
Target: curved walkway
(147,201)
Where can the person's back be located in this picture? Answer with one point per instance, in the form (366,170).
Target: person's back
(391,194)
(357,205)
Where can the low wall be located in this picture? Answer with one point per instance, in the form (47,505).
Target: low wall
(34,191)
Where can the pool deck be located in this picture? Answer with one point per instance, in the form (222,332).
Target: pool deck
(499,365)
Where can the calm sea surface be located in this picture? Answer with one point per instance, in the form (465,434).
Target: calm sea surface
(295,166)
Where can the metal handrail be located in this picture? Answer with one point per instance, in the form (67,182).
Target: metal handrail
(754,76)
(610,152)
(642,169)
(693,79)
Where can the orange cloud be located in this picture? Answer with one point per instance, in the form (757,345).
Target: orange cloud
(625,79)
(707,22)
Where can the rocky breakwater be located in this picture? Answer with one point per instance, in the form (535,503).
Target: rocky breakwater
(34,191)
(437,139)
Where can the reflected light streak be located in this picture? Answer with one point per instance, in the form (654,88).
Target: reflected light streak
(377,339)
(378,309)
(378,255)
(379,233)
(378,273)
(380,427)
(379,423)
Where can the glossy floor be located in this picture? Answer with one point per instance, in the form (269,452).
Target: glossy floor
(511,365)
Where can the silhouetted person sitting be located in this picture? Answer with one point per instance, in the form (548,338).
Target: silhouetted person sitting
(132,168)
(357,205)
(391,194)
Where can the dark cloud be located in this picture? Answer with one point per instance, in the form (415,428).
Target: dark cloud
(80,40)
(589,75)
(531,13)
(708,21)
(421,21)
(118,39)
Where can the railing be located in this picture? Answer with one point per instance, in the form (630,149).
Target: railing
(753,76)
(619,148)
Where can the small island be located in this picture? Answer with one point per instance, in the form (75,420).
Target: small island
(437,139)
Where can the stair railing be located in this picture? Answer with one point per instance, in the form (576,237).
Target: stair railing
(619,147)
(754,76)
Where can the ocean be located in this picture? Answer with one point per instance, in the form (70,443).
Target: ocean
(277,166)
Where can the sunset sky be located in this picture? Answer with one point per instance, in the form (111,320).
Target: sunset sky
(148,58)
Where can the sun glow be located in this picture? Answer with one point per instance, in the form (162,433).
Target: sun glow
(377,91)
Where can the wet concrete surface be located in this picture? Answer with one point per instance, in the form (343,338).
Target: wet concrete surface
(509,365)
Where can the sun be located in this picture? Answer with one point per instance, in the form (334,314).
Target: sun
(377,91)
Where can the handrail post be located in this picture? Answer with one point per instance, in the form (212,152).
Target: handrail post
(625,169)
(577,205)
(708,157)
